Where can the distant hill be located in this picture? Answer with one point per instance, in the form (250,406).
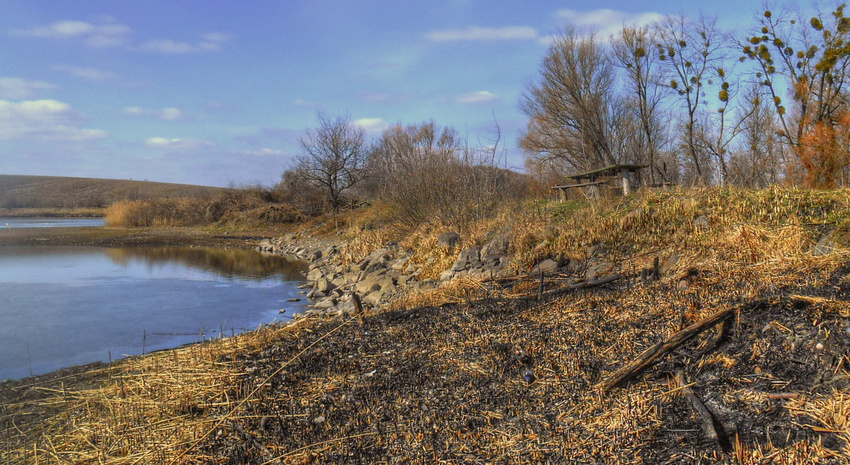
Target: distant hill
(17,191)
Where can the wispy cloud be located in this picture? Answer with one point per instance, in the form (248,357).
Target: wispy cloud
(43,120)
(482,96)
(89,74)
(106,33)
(19,88)
(473,33)
(605,22)
(305,103)
(206,43)
(109,33)
(166,114)
(177,144)
(372,125)
(263,152)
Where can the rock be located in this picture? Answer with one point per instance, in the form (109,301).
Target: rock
(449,239)
(468,259)
(495,249)
(294,299)
(668,263)
(370,283)
(701,222)
(599,270)
(324,286)
(315,256)
(547,266)
(399,264)
(325,304)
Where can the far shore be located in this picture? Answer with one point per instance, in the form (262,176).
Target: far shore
(121,237)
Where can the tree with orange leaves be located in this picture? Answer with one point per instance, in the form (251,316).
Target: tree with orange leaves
(813,61)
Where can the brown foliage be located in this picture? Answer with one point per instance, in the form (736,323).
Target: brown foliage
(823,153)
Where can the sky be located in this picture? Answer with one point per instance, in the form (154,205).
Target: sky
(218,92)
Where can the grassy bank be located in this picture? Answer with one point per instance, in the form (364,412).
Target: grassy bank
(484,371)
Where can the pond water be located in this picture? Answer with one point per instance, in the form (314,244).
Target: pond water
(63,306)
(17,223)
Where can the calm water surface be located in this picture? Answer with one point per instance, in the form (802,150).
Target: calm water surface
(62,306)
(18,223)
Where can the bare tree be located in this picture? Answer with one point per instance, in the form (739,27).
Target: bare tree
(332,157)
(690,51)
(570,107)
(636,56)
(761,158)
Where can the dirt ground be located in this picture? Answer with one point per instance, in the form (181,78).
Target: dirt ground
(517,381)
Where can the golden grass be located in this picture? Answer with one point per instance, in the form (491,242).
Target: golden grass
(742,243)
(151,409)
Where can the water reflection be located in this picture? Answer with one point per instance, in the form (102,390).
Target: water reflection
(61,306)
(224,262)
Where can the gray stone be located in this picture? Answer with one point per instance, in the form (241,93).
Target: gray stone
(324,286)
(449,239)
(547,266)
(317,255)
(495,249)
(399,264)
(468,259)
(599,270)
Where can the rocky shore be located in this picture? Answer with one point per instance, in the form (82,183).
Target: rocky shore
(387,272)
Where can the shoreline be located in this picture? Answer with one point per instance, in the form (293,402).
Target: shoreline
(105,236)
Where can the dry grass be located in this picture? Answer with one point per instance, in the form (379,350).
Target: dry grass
(150,409)
(732,246)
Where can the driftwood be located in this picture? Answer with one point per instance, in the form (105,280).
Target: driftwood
(654,353)
(710,425)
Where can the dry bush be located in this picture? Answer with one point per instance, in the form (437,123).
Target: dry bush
(235,207)
(154,213)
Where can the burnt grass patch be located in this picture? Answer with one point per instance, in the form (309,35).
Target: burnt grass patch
(516,381)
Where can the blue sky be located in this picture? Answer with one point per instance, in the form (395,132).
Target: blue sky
(217,92)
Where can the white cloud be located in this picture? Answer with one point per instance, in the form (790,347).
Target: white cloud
(89,74)
(263,152)
(482,96)
(605,22)
(105,34)
(170,114)
(166,114)
(43,120)
(372,125)
(177,144)
(484,33)
(207,43)
(18,88)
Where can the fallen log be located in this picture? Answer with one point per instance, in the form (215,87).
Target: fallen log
(654,353)
(710,425)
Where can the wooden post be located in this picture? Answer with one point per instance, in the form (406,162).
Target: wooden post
(627,184)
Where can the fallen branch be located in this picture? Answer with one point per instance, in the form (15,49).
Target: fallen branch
(710,425)
(582,285)
(654,353)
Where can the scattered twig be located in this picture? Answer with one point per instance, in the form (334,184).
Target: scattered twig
(654,353)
